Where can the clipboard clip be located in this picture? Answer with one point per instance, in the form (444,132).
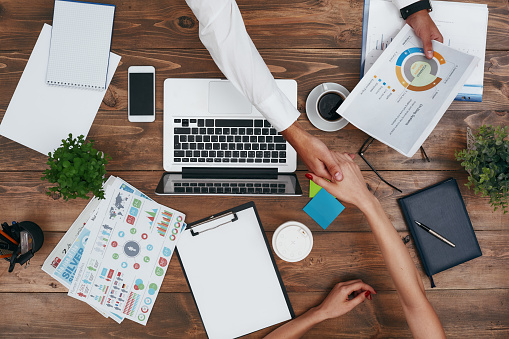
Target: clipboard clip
(213,218)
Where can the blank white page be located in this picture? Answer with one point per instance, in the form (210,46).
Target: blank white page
(40,116)
(80,44)
(232,277)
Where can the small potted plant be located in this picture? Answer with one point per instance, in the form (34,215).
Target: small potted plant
(76,168)
(487,161)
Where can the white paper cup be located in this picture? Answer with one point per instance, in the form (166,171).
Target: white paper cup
(292,241)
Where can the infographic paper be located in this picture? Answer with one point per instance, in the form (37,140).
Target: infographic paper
(403,95)
(127,255)
(68,242)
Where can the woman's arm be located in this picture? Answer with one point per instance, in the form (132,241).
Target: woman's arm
(419,313)
(336,304)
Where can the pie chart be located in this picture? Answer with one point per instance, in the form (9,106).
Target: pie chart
(417,73)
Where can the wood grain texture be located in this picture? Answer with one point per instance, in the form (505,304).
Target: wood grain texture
(307,66)
(271,24)
(336,257)
(312,42)
(139,146)
(464,314)
(23,198)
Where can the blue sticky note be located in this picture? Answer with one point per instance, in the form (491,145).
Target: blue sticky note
(324,208)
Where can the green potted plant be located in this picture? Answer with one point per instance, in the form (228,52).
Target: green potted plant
(76,168)
(487,162)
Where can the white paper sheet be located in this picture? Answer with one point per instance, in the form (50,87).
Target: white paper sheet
(39,116)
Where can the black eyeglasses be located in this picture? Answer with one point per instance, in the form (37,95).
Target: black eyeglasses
(365,147)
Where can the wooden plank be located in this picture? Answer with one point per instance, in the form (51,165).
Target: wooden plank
(139,146)
(271,24)
(309,67)
(336,256)
(22,198)
(472,313)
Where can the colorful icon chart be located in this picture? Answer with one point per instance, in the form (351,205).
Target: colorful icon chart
(417,73)
(164,224)
(151,215)
(384,83)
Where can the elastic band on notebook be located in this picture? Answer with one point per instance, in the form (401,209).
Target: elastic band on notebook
(432,282)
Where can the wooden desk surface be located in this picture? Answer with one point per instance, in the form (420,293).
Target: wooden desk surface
(312,42)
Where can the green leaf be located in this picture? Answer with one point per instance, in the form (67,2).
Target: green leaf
(76,168)
(489,165)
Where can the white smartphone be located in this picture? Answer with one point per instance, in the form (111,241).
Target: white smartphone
(141,94)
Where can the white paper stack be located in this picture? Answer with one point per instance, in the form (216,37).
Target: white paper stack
(39,116)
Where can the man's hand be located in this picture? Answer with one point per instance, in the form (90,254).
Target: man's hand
(425,29)
(317,157)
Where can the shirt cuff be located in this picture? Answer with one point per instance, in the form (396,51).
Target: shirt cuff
(403,3)
(278,110)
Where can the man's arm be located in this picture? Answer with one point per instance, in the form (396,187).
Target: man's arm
(223,33)
(420,316)
(422,24)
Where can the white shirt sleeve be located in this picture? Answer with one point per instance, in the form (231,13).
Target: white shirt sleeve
(403,3)
(223,33)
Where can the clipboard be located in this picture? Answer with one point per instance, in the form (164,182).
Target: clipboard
(232,274)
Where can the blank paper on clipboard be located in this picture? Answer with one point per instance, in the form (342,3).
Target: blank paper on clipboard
(232,274)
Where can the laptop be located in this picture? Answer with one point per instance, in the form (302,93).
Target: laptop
(216,143)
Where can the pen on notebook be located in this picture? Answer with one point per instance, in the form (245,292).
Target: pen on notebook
(429,230)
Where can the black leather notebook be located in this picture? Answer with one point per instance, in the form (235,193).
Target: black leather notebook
(441,208)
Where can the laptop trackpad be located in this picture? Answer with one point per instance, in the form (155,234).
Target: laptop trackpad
(225,98)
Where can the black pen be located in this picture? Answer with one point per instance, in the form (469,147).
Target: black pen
(429,230)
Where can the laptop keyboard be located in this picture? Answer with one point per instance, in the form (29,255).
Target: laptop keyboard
(229,188)
(252,141)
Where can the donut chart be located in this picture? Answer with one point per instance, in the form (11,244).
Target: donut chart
(417,73)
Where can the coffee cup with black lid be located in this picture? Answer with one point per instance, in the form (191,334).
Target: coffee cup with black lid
(322,104)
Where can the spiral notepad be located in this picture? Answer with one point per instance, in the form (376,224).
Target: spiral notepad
(80,44)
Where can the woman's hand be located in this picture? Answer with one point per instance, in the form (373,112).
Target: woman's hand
(338,302)
(352,189)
